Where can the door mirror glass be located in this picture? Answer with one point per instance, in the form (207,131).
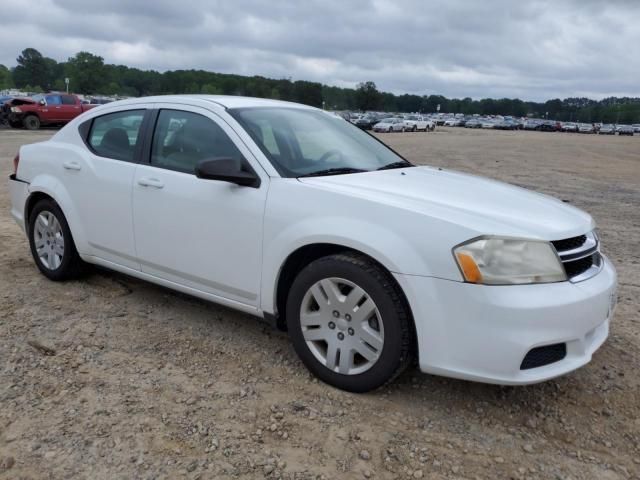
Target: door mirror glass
(42,102)
(227,170)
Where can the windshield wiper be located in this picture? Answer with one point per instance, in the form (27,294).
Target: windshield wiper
(333,171)
(402,164)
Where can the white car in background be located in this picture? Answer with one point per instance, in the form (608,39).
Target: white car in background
(391,124)
(413,123)
(290,214)
(452,122)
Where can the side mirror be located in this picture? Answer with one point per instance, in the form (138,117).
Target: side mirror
(226,170)
(42,102)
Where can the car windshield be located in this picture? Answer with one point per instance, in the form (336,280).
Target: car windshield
(301,142)
(412,117)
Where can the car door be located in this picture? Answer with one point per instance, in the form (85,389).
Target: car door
(69,108)
(100,182)
(202,234)
(51,112)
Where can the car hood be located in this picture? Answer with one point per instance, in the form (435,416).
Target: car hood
(482,205)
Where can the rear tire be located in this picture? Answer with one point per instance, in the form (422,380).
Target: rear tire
(349,322)
(52,245)
(31,122)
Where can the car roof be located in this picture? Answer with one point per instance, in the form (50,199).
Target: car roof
(225,101)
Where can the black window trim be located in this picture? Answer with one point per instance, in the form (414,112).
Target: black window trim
(84,129)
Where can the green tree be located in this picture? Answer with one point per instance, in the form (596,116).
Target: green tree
(33,69)
(367,96)
(85,72)
(6,79)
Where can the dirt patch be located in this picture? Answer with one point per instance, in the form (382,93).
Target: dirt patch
(130,380)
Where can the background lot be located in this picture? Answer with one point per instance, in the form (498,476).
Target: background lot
(147,383)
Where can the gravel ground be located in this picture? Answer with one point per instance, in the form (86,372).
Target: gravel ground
(141,382)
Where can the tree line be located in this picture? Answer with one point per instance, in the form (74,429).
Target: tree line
(89,74)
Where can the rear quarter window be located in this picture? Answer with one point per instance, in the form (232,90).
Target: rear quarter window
(116,135)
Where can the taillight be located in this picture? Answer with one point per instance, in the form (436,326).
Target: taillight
(16,160)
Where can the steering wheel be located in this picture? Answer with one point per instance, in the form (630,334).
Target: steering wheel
(330,154)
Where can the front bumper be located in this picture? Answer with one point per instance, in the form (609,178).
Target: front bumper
(14,117)
(18,192)
(483,333)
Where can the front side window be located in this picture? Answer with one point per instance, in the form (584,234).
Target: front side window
(301,142)
(183,139)
(115,135)
(53,100)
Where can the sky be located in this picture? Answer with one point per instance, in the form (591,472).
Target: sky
(533,49)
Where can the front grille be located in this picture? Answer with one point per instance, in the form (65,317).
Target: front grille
(580,256)
(541,356)
(569,243)
(580,266)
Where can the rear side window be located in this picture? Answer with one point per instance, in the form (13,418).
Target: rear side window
(68,100)
(182,139)
(115,135)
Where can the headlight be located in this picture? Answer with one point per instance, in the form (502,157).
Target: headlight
(508,261)
(16,109)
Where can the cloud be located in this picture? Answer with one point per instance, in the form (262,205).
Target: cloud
(534,50)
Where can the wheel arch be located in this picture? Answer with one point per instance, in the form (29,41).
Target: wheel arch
(46,186)
(303,256)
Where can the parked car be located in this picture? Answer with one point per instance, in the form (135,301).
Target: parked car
(453,122)
(625,130)
(531,124)
(569,127)
(505,124)
(366,122)
(233,203)
(413,123)
(473,123)
(607,129)
(45,109)
(548,126)
(636,127)
(585,128)
(4,112)
(488,123)
(393,124)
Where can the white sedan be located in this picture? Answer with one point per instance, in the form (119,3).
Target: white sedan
(292,215)
(389,125)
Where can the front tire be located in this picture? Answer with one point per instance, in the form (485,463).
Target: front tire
(31,122)
(52,245)
(349,322)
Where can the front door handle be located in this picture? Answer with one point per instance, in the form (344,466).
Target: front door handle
(71,165)
(150,182)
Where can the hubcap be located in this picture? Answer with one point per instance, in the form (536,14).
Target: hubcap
(49,240)
(342,326)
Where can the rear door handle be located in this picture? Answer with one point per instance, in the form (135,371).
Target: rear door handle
(71,165)
(150,182)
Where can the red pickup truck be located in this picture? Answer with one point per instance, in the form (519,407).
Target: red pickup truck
(44,109)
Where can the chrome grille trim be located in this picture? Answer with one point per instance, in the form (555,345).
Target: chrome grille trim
(590,248)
